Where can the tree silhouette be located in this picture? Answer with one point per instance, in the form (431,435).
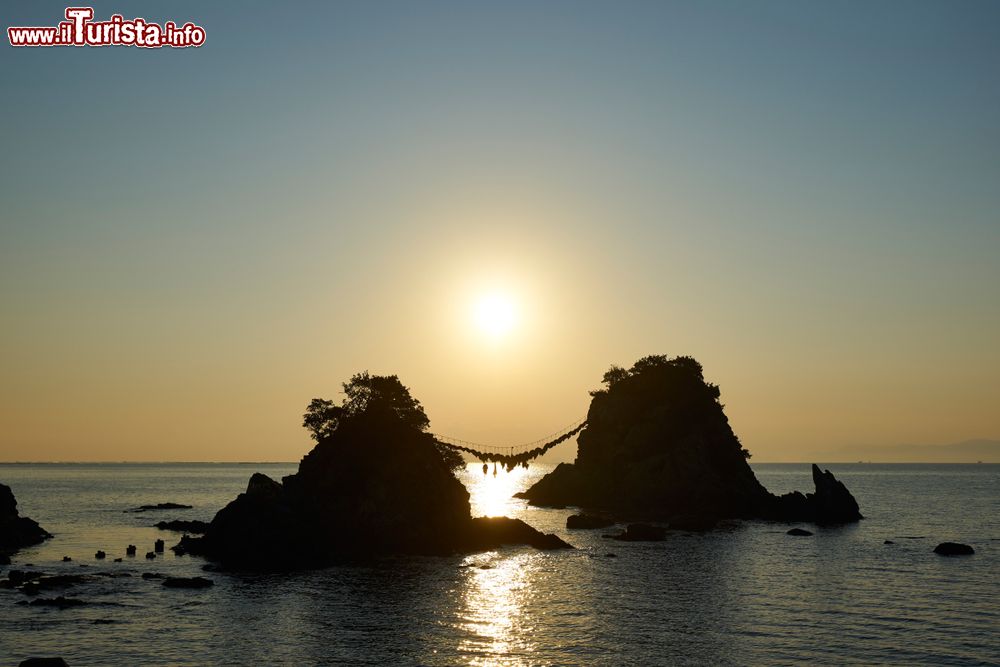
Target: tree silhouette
(377,396)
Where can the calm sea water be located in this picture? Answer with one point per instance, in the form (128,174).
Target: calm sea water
(747,594)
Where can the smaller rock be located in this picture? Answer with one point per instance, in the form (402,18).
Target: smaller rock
(888,542)
(130,551)
(953,549)
(159,506)
(198,527)
(587,521)
(641,532)
(799,532)
(100,555)
(610,555)
(150,555)
(118,560)
(43,662)
(158,546)
(188,582)
(67,559)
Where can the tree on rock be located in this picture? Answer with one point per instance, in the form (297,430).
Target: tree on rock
(382,397)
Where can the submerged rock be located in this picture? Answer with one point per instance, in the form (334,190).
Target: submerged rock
(16,531)
(188,582)
(799,532)
(182,526)
(59,602)
(43,662)
(953,549)
(657,444)
(159,506)
(641,532)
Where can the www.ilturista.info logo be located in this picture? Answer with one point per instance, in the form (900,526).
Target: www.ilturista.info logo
(80,30)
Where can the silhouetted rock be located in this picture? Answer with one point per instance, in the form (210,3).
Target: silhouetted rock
(588,521)
(641,532)
(16,531)
(198,527)
(486,533)
(150,555)
(888,542)
(159,506)
(100,555)
(130,550)
(188,582)
(158,546)
(67,559)
(657,444)
(953,549)
(799,532)
(43,662)
(375,483)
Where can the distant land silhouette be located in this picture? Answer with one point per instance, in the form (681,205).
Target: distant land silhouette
(967,451)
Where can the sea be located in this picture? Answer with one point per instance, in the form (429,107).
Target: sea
(744,594)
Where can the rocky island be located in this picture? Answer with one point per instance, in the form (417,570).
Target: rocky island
(658,445)
(375,483)
(16,531)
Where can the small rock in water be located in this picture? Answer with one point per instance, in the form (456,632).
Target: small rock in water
(953,549)
(67,559)
(160,506)
(43,662)
(799,532)
(130,551)
(100,555)
(610,555)
(188,582)
(888,542)
(150,555)
(641,532)
(118,560)
(158,546)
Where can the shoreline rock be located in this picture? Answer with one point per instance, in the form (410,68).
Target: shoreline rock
(16,531)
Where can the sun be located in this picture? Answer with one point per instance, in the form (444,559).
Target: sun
(495,314)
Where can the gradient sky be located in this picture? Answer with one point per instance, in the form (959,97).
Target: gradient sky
(804,196)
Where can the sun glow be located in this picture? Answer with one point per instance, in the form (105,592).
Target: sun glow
(495,314)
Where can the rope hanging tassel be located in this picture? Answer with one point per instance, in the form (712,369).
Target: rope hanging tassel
(509,460)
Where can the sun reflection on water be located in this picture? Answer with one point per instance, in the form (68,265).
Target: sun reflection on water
(494,597)
(493,495)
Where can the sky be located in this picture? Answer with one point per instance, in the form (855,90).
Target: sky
(804,196)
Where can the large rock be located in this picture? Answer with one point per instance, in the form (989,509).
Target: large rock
(953,549)
(16,531)
(375,485)
(658,445)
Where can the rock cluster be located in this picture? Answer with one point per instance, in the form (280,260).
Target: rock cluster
(658,444)
(16,531)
